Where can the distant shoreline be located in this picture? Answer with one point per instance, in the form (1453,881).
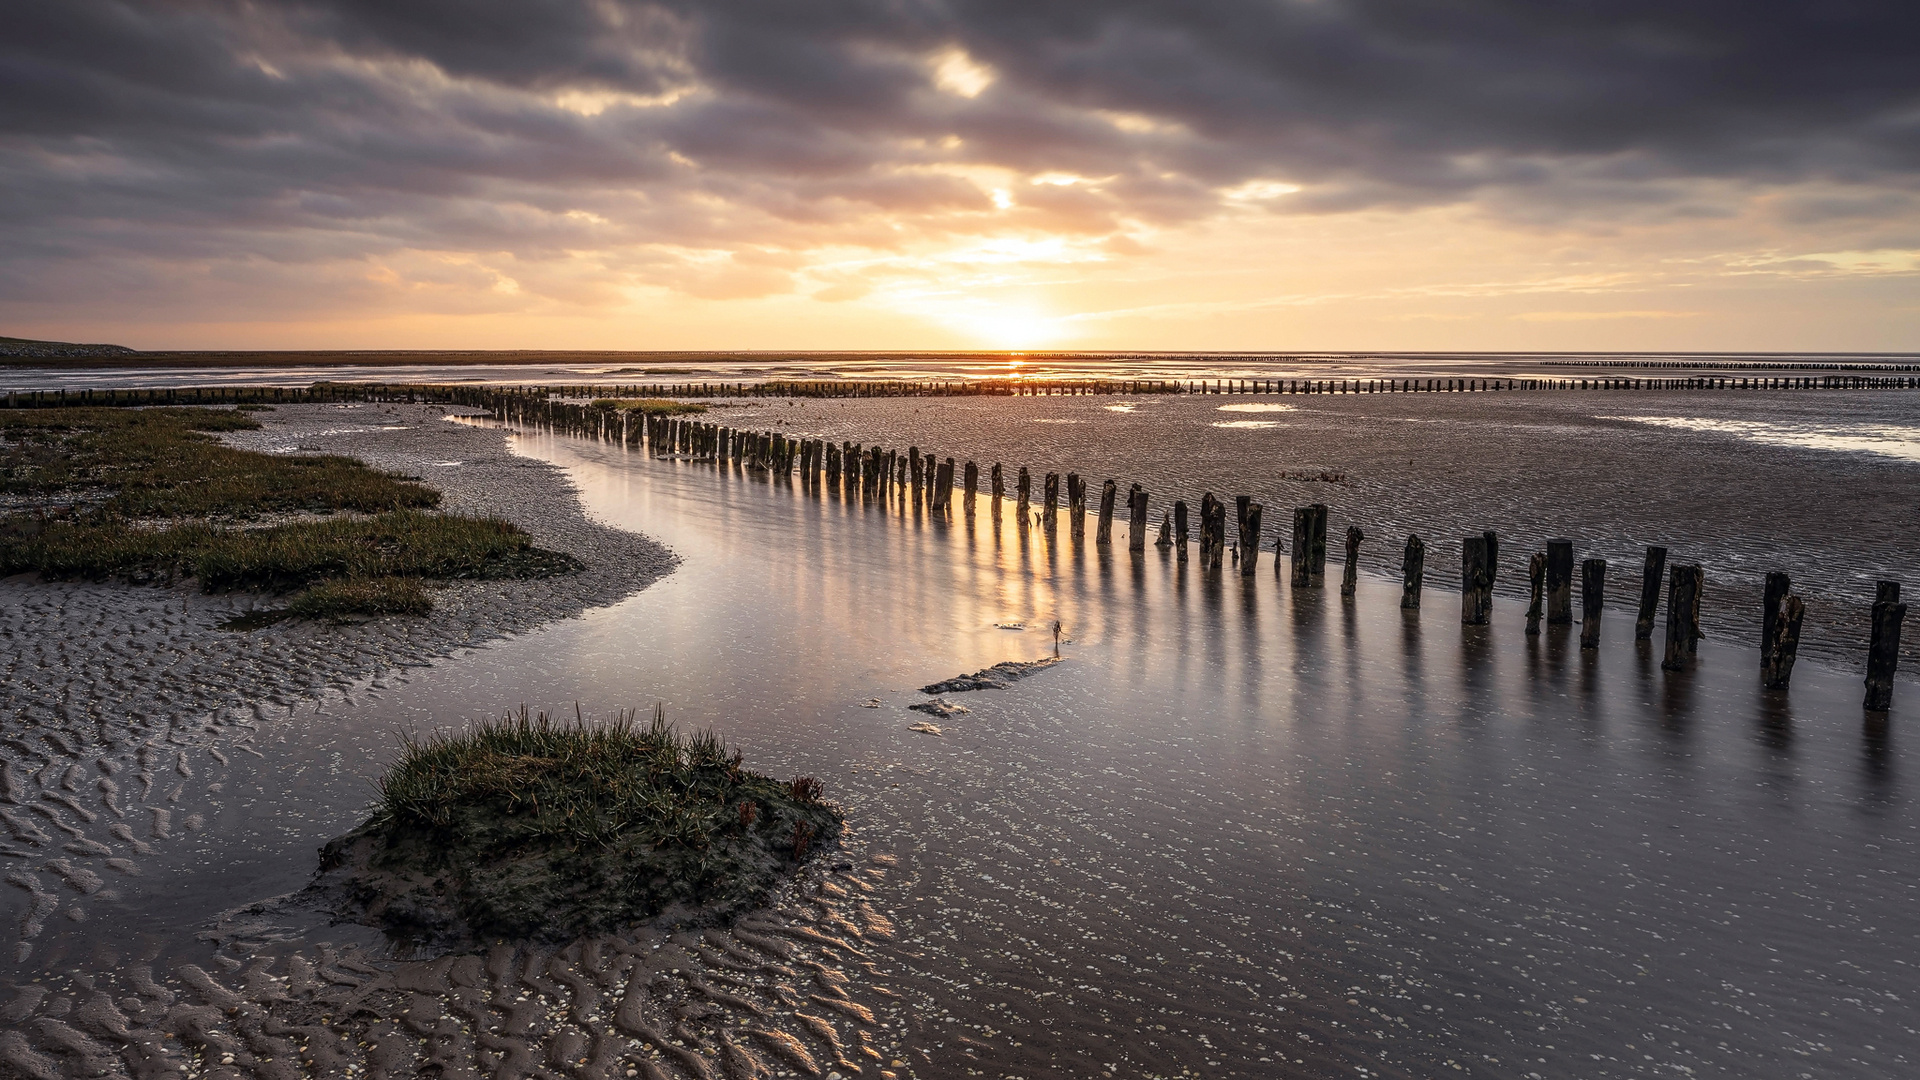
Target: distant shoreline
(85,357)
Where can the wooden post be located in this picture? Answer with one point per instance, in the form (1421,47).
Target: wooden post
(1317,548)
(971,483)
(1413,572)
(999,490)
(1180,528)
(1076,507)
(1248,514)
(1023,504)
(1104,537)
(1536,583)
(1778,586)
(1883,649)
(1302,575)
(1136,519)
(1593,584)
(1248,546)
(1683,617)
(914,479)
(1476,584)
(1050,499)
(1559,582)
(1650,575)
(1206,530)
(1350,572)
(1217,521)
(1165,540)
(943,488)
(1783,644)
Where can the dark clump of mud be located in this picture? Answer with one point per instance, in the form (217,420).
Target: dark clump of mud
(997,677)
(529,829)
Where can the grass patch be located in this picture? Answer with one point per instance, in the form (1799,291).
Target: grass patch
(338,600)
(105,474)
(525,827)
(165,463)
(650,406)
(401,543)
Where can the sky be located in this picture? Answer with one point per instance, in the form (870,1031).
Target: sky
(1689,175)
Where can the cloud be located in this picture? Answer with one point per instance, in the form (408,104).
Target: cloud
(600,146)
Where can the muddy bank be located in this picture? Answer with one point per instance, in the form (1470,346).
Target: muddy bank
(124,704)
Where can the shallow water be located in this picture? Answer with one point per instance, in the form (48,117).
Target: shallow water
(1243,830)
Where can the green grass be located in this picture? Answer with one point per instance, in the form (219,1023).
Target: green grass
(338,600)
(164,463)
(527,826)
(401,543)
(650,406)
(105,475)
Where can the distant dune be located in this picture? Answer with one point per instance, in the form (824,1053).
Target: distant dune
(16,349)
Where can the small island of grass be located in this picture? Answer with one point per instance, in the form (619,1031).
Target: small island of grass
(529,828)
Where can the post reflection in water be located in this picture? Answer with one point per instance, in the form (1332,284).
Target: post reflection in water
(1223,836)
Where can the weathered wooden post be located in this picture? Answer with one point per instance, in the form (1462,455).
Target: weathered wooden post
(1136,518)
(1650,575)
(929,469)
(1536,586)
(1350,572)
(1049,500)
(1104,536)
(1248,514)
(1206,530)
(1301,571)
(1559,582)
(1413,572)
(1476,583)
(1024,490)
(914,478)
(1165,539)
(1317,549)
(1783,644)
(1883,648)
(1683,617)
(999,490)
(1076,507)
(1777,588)
(943,489)
(1217,521)
(1593,584)
(972,482)
(1180,528)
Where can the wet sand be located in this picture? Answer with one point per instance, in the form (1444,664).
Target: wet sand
(1240,830)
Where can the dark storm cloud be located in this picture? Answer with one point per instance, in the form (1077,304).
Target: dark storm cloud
(336,129)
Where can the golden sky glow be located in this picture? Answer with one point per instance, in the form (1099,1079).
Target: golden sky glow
(655,176)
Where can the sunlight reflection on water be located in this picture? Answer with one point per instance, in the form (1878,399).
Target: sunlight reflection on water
(1887,440)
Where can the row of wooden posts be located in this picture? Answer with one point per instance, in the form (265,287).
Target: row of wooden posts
(927,482)
(1046,387)
(1030,387)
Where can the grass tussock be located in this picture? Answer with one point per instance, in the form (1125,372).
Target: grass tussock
(526,826)
(164,463)
(650,406)
(338,600)
(402,543)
